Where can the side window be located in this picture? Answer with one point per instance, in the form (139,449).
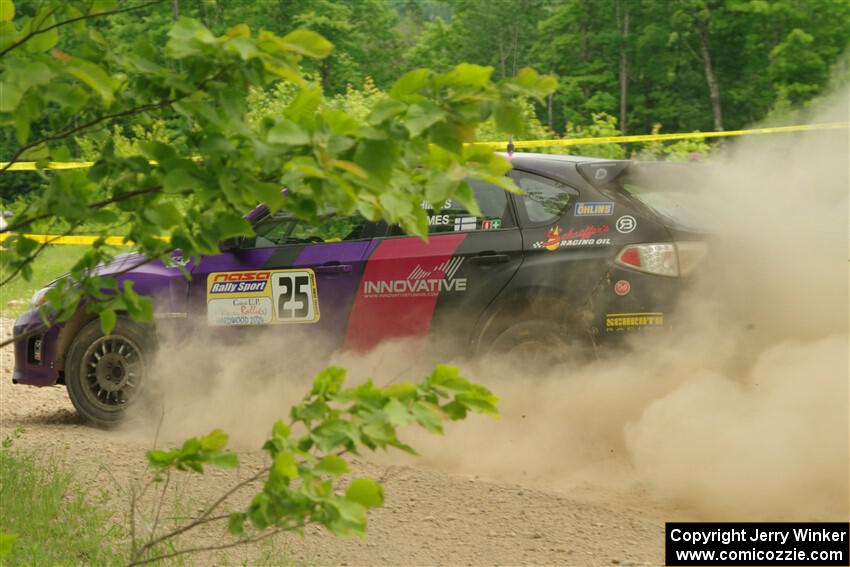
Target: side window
(278,230)
(451,216)
(545,200)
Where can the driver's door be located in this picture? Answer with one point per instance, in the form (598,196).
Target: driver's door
(291,276)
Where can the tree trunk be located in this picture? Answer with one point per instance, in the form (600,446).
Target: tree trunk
(202,11)
(624,65)
(549,109)
(175,9)
(503,56)
(710,78)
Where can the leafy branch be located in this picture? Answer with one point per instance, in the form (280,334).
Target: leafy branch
(69,21)
(304,483)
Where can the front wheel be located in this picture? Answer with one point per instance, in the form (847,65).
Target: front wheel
(105,373)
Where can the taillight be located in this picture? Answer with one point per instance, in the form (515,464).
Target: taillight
(663,259)
(659,259)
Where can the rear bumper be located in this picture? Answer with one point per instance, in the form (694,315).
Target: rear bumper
(634,302)
(35,356)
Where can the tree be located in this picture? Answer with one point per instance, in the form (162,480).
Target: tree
(61,79)
(62,75)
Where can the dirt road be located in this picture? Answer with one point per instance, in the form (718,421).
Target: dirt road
(430,518)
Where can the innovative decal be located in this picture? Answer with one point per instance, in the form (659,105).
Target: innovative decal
(629,321)
(420,282)
(556,238)
(595,209)
(264,297)
(386,309)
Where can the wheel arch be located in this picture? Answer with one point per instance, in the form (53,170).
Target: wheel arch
(536,303)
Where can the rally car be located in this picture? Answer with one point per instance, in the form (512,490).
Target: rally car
(575,262)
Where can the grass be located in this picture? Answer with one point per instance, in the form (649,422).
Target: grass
(46,507)
(53,262)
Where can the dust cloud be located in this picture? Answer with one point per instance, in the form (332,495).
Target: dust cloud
(742,413)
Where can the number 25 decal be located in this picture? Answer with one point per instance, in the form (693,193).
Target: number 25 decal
(294,296)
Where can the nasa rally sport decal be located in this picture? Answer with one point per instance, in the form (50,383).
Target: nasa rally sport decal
(262,297)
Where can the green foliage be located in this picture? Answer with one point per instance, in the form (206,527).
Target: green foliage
(305,482)
(187,155)
(603,125)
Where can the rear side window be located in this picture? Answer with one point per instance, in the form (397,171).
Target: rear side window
(278,230)
(451,216)
(545,200)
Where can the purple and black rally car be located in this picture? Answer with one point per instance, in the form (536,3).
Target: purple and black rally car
(574,263)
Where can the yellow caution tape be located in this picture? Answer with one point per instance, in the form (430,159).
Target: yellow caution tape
(661,137)
(77,239)
(520,144)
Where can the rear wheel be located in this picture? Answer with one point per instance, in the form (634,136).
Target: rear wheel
(105,373)
(539,344)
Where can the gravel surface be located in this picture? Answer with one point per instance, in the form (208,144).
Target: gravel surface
(430,518)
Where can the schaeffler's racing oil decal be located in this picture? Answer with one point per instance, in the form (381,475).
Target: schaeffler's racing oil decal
(262,297)
(556,238)
(629,321)
(400,286)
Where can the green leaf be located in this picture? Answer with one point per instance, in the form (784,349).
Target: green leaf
(397,413)
(309,43)
(188,37)
(410,83)
(164,215)
(352,518)
(285,466)
(288,132)
(385,109)
(305,103)
(508,117)
(332,465)
(43,41)
(428,417)
(402,390)
(93,76)
(236,524)
(267,193)
(421,116)
(178,180)
(215,440)
(377,158)
(223,460)
(329,381)
(280,430)
(107,320)
(160,459)
(365,492)
(466,75)
(7,10)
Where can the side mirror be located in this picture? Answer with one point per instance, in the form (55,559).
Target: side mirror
(230,244)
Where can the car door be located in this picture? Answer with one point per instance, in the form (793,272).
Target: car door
(292,277)
(413,288)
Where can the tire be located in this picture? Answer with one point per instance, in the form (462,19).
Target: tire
(539,345)
(105,374)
